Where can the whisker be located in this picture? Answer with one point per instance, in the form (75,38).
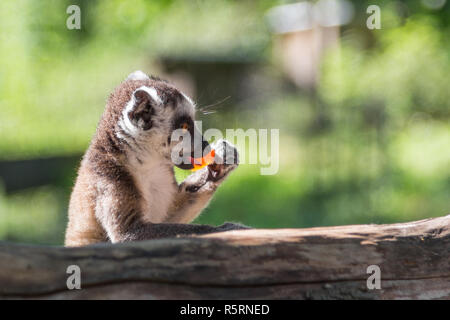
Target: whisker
(208,112)
(214,104)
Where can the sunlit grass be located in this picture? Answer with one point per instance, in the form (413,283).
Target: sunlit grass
(33,216)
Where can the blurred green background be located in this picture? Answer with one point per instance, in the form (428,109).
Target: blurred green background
(364,134)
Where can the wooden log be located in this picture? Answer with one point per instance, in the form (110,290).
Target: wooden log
(315,263)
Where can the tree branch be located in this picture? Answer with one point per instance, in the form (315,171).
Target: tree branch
(316,263)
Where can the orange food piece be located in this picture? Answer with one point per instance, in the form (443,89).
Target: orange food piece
(199,163)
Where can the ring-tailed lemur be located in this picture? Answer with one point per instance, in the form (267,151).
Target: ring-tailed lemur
(126,189)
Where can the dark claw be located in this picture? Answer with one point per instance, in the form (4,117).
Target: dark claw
(192,188)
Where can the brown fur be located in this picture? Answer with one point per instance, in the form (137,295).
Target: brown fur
(107,205)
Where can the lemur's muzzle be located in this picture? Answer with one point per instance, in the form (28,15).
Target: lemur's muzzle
(198,154)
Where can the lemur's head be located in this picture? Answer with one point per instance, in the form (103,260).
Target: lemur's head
(148,114)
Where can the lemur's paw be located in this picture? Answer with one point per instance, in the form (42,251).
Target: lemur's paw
(195,181)
(209,178)
(226,159)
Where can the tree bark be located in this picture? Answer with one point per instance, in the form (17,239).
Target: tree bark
(315,263)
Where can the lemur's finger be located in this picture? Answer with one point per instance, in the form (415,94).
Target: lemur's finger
(225,153)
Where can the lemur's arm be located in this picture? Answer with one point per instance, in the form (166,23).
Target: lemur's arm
(117,207)
(195,192)
(123,221)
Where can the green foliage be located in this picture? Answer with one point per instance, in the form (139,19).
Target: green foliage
(370,146)
(33,216)
(406,72)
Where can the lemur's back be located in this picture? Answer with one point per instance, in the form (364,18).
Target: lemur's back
(83,227)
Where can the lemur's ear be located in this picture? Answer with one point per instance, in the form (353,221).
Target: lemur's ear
(143,106)
(137,75)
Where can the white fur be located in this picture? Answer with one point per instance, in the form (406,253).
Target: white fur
(188,99)
(153,180)
(137,75)
(125,122)
(152,92)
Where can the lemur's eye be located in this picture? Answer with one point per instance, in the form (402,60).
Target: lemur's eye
(184,126)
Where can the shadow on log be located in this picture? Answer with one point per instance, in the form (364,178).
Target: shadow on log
(316,263)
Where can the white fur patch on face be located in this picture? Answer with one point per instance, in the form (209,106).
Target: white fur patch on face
(151,91)
(188,99)
(188,105)
(124,121)
(137,75)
